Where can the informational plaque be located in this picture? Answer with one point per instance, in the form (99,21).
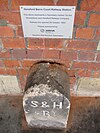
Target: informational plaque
(47,21)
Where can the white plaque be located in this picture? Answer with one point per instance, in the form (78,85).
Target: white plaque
(47,21)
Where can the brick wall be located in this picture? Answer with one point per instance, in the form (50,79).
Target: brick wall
(80,55)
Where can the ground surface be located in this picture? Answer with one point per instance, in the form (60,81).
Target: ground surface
(84,116)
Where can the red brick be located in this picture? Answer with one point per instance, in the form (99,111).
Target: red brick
(90,5)
(80,17)
(84,73)
(19,31)
(89,56)
(82,45)
(66,63)
(96,74)
(22,72)
(22,75)
(71,73)
(67,3)
(35,43)
(97,35)
(53,43)
(7,71)
(5,54)
(19,53)
(13,42)
(22,79)
(37,2)
(34,54)
(69,56)
(3,5)
(98,56)
(87,65)
(27,63)
(93,66)
(11,71)
(11,17)
(6,31)
(11,63)
(50,54)
(94,20)
(85,33)
(16,3)
(2,71)
(72,80)
(77,65)
(1,63)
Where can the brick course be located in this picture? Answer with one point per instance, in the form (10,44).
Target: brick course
(6,31)
(68,56)
(11,63)
(97,34)
(51,54)
(80,18)
(86,56)
(94,20)
(35,43)
(4,5)
(90,5)
(82,45)
(16,3)
(5,53)
(10,43)
(67,3)
(85,33)
(11,17)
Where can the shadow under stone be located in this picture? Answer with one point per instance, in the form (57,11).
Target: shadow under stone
(10,114)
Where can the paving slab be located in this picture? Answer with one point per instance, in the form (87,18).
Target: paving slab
(9,85)
(88,87)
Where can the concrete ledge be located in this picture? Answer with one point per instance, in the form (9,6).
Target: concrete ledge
(9,85)
(98,48)
(88,87)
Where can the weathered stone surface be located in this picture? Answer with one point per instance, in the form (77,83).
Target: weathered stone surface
(45,108)
(9,85)
(50,73)
(46,100)
(88,87)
